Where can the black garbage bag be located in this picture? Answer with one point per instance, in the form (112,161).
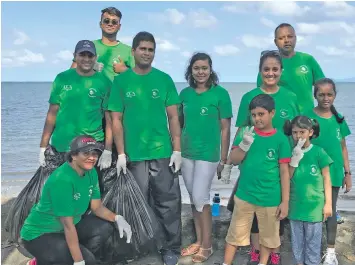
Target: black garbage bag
(123,196)
(31,194)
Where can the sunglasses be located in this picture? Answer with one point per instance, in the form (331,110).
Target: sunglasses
(273,52)
(107,21)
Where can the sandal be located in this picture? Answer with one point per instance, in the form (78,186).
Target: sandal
(199,257)
(190,250)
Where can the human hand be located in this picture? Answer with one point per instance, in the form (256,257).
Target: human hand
(282,211)
(119,65)
(41,157)
(123,227)
(176,160)
(347,183)
(327,211)
(297,153)
(105,160)
(121,164)
(248,139)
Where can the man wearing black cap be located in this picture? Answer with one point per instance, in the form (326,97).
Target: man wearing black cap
(77,104)
(56,230)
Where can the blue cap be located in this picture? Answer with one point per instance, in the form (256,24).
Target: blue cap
(85,46)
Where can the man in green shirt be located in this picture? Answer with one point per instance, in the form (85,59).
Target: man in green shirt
(113,57)
(300,70)
(142,102)
(77,104)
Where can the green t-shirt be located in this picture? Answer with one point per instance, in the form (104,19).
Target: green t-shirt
(259,179)
(299,74)
(307,186)
(286,107)
(201,134)
(330,137)
(108,54)
(143,100)
(65,194)
(82,102)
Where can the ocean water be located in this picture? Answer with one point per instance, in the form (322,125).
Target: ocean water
(24,107)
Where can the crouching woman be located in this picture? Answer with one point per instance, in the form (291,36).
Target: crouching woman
(56,230)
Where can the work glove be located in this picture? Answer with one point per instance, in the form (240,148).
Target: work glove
(42,158)
(226,173)
(98,66)
(176,160)
(297,153)
(105,159)
(79,262)
(121,164)
(248,139)
(123,227)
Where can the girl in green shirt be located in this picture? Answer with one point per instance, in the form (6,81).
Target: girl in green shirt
(333,130)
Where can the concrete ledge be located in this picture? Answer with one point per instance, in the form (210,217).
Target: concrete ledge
(345,245)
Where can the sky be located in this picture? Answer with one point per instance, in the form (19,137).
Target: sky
(38,38)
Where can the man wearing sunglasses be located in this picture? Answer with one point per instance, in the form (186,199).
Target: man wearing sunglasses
(113,57)
(300,70)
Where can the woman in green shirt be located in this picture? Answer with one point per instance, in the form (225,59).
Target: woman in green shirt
(56,223)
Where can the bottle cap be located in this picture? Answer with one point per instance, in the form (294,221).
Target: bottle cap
(216,194)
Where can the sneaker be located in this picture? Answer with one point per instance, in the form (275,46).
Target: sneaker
(330,259)
(340,219)
(170,258)
(254,256)
(32,262)
(275,259)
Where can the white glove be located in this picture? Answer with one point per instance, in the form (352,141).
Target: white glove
(226,173)
(79,262)
(98,66)
(123,227)
(248,139)
(121,164)
(105,159)
(42,158)
(297,153)
(176,160)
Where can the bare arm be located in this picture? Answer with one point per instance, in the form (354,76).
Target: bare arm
(225,142)
(174,126)
(49,124)
(71,237)
(285,182)
(236,156)
(345,156)
(101,211)
(108,132)
(117,131)
(73,65)
(327,186)
(291,170)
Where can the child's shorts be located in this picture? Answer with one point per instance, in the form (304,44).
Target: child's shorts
(242,219)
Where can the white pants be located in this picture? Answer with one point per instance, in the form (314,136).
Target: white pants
(198,176)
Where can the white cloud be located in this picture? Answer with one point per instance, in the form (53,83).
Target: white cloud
(350,42)
(268,23)
(170,15)
(287,8)
(202,19)
(186,54)
(252,41)
(226,50)
(339,9)
(303,41)
(238,7)
(21,37)
(165,45)
(325,27)
(64,55)
(21,58)
(331,50)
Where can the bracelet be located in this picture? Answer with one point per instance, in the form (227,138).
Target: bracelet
(347,173)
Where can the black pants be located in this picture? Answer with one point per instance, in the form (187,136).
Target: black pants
(332,223)
(160,187)
(52,248)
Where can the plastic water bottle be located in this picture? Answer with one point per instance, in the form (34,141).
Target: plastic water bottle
(215,205)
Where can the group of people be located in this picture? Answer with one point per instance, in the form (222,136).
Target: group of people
(113,104)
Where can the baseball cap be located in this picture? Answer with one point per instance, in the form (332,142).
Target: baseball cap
(85,143)
(85,46)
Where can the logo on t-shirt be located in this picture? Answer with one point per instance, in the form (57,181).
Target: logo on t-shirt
(271,154)
(90,190)
(314,170)
(67,87)
(155,93)
(283,113)
(130,94)
(92,92)
(338,134)
(204,111)
(304,69)
(77,196)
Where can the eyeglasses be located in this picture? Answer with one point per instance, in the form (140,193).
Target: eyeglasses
(273,52)
(107,21)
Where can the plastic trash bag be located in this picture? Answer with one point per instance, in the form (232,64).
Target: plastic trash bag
(31,194)
(230,205)
(123,196)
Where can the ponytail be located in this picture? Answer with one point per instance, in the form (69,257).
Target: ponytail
(315,128)
(288,128)
(339,118)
